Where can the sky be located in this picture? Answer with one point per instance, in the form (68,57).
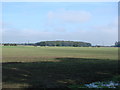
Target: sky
(93,22)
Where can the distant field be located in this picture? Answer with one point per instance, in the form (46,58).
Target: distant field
(31,54)
(28,66)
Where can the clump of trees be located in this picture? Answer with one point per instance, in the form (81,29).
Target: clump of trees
(10,44)
(63,43)
(117,44)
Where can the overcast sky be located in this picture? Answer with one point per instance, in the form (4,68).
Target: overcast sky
(93,22)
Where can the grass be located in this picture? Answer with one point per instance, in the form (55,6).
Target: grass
(52,67)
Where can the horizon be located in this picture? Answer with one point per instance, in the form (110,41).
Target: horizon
(52,40)
(92,22)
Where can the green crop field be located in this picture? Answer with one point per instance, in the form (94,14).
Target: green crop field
(52,67)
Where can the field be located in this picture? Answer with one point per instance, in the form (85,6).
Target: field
(54,67)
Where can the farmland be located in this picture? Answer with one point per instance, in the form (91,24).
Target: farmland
(54,67)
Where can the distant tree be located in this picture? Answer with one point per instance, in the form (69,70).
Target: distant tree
(57,44)
(10,44)
(117,44)
(40,44)
(76,44)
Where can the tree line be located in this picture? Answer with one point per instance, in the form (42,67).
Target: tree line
(60,43)
(63,43)
(8,44)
